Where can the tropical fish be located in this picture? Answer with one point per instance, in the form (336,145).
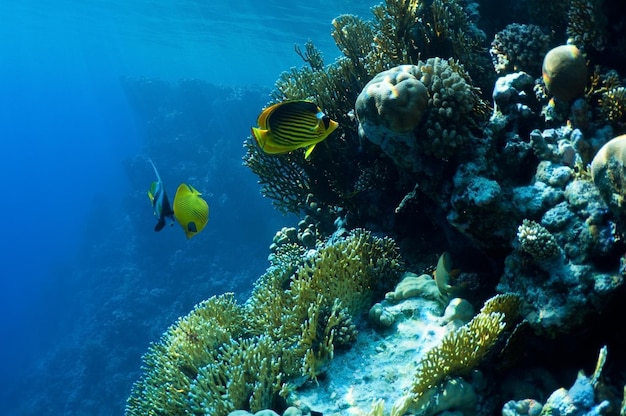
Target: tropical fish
(190,210)
(160,204)
(291,125)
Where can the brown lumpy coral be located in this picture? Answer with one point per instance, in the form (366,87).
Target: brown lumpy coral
(565,72)
(441,127)
(608,170)
(395,98)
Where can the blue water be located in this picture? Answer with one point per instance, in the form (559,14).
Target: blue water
(67,131)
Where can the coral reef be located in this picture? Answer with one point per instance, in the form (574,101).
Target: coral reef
(403,31)
(421,157)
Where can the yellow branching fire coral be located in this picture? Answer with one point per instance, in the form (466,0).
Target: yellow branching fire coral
(223,356)
(460,351)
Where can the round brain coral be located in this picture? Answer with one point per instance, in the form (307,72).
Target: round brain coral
(394,98)
(443,109)
(565,72)
(608,171)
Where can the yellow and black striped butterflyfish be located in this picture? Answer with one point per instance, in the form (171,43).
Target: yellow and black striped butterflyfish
(160,204)
(291,125)
(190,210)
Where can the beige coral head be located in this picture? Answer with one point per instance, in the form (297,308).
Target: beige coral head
(395,99)
(608,170)
(565,72)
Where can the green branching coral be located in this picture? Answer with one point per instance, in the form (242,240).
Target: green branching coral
(224,357)
(351,33)
(173,363)
(246,374)
(395,20)
(307,312)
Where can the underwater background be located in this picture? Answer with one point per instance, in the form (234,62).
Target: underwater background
(451,242)
(86,284)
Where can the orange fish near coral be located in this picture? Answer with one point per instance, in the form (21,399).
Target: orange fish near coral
(292,125)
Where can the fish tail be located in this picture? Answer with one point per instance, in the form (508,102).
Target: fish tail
(159,225)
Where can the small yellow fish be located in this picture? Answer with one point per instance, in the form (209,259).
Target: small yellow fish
(190,210)
(291,125)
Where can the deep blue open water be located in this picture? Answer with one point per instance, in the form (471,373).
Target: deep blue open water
(85,282)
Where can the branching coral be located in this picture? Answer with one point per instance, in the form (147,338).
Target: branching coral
(174,362)
(537,241)
(394,21)
(223,357)
(586,24)
(460,351)
(613,105)
(282,177)
(310,310)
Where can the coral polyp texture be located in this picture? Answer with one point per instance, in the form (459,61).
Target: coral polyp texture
(519,47)
(396,98)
